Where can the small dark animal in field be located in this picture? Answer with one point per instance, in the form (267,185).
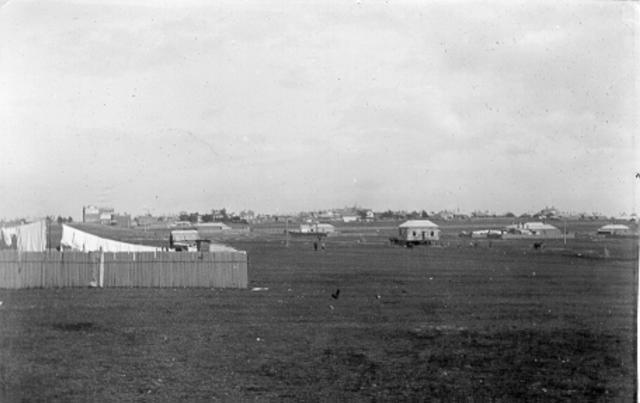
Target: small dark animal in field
(538,245)
(336,294)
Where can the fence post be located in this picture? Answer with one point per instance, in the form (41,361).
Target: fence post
(101,275)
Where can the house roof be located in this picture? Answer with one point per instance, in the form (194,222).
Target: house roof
(418,224)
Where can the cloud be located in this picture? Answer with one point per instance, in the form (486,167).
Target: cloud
(284,105)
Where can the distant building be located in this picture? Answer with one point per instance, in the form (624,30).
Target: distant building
(350,218)
(317,228)
(445,215)
(326,215)
(542,229)
(419,230)
(550,213)
(487,233)
(248,215)
(615,230)
(629,218)
(313,230)
(534,230)
(93,214)
(105,217)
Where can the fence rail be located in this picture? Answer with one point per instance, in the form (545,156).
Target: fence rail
(54,269)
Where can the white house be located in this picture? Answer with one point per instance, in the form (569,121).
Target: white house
(419,230)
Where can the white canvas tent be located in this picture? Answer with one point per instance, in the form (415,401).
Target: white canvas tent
(83,241)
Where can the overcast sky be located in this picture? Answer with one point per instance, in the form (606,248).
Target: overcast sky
(281,106)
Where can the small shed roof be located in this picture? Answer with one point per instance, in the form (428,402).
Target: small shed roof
(418,224)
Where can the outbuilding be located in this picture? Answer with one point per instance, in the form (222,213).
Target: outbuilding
(317,228)
(543,230)
(615,230)
(419,231)
(184,240)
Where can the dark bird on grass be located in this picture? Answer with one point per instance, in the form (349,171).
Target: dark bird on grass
(336,294)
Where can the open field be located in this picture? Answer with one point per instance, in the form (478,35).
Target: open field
(502,322)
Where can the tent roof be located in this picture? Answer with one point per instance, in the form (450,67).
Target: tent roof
(418,224)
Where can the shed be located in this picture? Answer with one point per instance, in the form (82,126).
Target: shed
(615,230)
(542,229)
(183,239)
(317,228)
(419,231)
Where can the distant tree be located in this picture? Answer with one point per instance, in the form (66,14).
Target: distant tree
(400,215)
(207,218)
(424,214)
(69,219)
(184,216)
(510,215)
(59,220)
(387,214)
(193,217)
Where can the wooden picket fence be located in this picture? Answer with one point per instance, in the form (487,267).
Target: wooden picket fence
(52,269)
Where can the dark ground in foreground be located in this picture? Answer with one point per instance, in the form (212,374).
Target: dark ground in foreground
(504,323)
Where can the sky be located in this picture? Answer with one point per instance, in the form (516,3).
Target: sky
(284,106)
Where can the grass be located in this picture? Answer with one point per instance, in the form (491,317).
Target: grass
(497,323)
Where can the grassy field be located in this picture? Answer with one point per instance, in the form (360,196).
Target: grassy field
(499,321)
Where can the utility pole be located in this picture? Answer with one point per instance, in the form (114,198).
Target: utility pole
(286,231)
(48,229)
(565,232)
